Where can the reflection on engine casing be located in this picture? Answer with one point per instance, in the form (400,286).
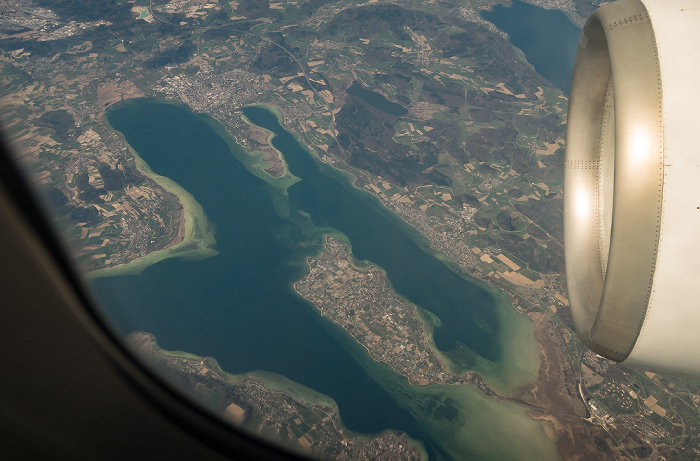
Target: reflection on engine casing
(632,185)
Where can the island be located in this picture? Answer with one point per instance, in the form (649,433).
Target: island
(363,303)
(474,165)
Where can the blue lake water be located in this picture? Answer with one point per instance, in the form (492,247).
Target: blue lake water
(547,38)
(240,308)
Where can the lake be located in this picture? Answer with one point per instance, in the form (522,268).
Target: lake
(376,100)
(239,306)
(548,38)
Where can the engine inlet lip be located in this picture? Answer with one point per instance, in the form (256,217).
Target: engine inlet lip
(613,177)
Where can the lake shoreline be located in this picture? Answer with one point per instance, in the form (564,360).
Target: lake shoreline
(195,237)
(146,345)
(240,307)
(519,327)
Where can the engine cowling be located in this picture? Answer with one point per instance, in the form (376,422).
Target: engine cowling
(632,185)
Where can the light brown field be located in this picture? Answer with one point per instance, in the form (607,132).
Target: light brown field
(234,413)
(114,91)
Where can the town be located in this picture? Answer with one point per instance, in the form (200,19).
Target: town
(247,401)
(364,304)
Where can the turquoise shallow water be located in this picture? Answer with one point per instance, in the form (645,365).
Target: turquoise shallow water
(239,306)
(380,237)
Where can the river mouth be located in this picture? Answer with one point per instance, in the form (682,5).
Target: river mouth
(239,306)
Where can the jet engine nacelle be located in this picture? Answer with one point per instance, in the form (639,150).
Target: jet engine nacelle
(632,185)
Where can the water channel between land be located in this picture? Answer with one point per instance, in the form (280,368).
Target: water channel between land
(240,308)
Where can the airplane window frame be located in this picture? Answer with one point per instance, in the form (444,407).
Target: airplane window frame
(20,206)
